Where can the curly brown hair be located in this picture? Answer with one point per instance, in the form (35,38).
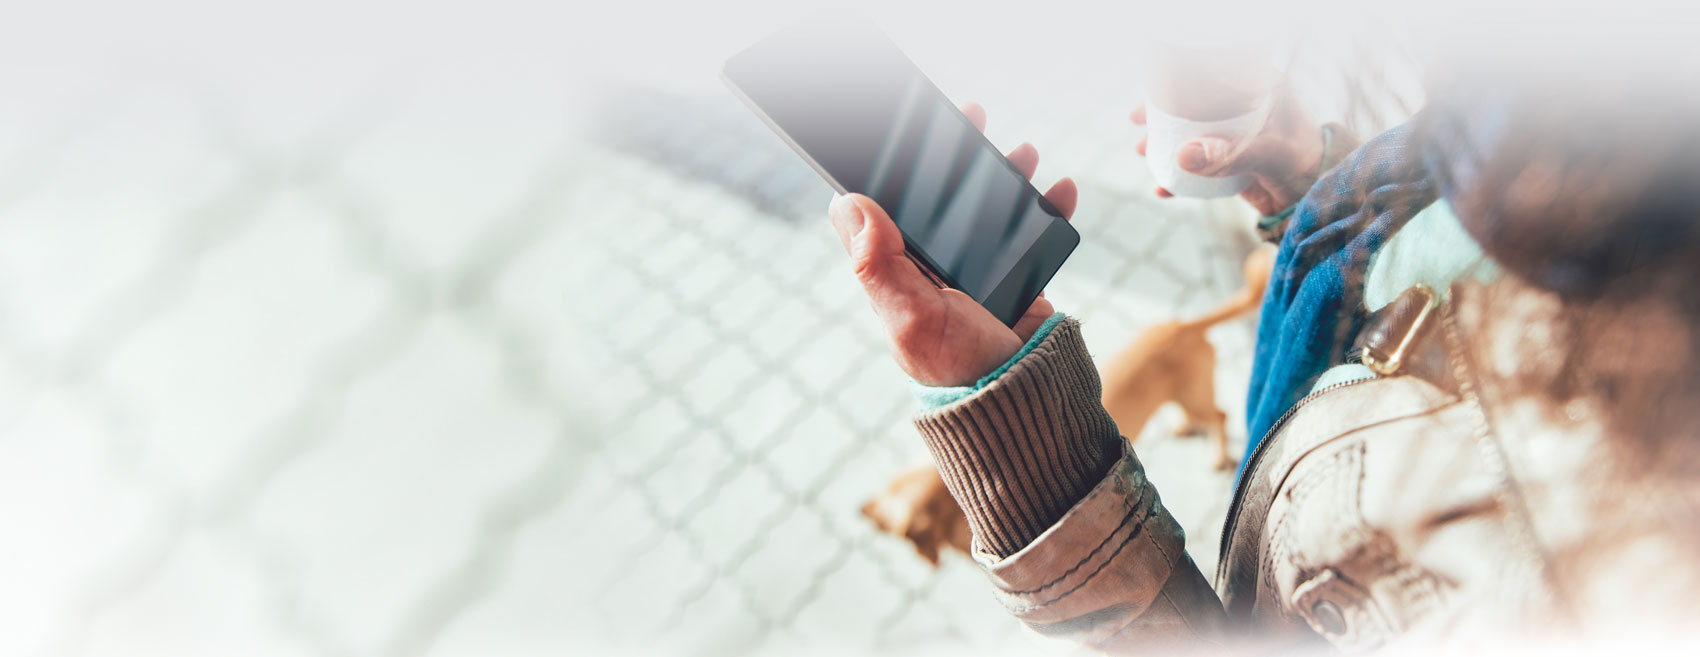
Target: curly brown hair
(1585,183)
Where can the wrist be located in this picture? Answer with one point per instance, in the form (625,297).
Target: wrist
(1337,142)
(934,396)
(1313,156)
(1020,452)
(1313,159)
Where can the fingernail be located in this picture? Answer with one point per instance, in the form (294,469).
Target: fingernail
(1214,150)
(849,217)
(1193,156)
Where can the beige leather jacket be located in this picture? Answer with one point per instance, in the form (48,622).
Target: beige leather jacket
(1401,510)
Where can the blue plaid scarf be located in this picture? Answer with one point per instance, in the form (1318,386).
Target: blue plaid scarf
(1313,309)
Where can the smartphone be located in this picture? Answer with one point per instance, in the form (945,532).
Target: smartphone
(856,109)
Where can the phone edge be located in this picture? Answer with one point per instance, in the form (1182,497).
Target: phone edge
(915,255)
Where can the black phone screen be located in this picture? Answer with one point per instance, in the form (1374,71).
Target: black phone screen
(848,100)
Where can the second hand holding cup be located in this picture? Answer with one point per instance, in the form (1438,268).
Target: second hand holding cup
(1218,89)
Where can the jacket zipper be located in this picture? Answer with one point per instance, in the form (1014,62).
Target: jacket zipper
(1257,455)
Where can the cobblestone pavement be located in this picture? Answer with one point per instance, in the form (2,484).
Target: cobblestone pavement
(449,378)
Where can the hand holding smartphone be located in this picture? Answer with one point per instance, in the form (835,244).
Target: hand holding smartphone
(853,106)
(950,241)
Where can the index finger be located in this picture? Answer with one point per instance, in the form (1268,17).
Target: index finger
(976,115)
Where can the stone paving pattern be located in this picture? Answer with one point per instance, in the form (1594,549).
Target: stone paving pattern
(432,378)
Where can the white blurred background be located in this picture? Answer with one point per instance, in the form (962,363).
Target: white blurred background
(500,328)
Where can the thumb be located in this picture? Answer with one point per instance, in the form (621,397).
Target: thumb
(876,250)
(1214,156)
(1208,156)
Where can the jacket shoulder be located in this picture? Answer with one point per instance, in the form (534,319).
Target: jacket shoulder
(1300,526)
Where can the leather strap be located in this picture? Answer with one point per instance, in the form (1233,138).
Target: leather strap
(1404,338)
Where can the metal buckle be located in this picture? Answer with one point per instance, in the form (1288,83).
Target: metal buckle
(1394,360)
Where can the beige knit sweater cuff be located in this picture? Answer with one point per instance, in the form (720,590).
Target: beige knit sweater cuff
(1020,453)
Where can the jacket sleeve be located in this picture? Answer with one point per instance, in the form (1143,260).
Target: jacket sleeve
(1072,534)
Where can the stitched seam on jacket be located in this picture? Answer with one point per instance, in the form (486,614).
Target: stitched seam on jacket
(1494,450)
(1101,644)
(1131,512)
(1293,461)
(1277,546)
(1166,559)
(1089,576)
(1297,497)
(1164,591)
(1182,615)
(1311,450)
(1265,558)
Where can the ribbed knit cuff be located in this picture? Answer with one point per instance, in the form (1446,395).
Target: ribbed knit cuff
(1020,452)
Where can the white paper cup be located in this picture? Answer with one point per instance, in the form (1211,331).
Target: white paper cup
(1165,133)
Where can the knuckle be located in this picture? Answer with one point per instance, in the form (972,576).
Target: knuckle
(864,265)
